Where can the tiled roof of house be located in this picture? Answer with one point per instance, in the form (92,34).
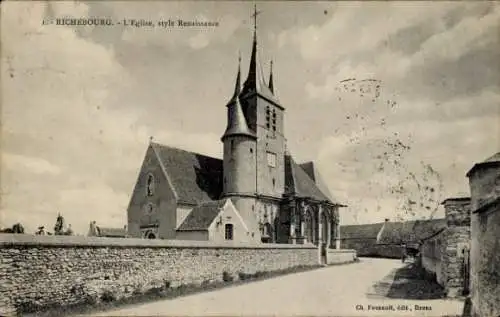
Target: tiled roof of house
(202,216)
(411,231)
(111,232)
(194,177)
(493,160)
(366,231)
(298,182)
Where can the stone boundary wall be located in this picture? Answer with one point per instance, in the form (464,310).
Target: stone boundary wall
(431,257)
(444,254)
(368,247)
(452,257)
(39,272)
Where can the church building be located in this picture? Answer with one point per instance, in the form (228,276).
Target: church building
(256,193)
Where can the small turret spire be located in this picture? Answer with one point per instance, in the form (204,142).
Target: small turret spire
(237,123)
(237,85)
(271,85)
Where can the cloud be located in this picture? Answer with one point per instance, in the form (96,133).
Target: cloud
(33,164)
(79,104)
(367,170)
(440,56)
(69,106)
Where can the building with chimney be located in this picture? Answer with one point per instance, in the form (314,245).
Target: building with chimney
(255,193)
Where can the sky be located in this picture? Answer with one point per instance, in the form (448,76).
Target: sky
(393,101)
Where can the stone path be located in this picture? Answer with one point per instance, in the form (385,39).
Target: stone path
(346,290)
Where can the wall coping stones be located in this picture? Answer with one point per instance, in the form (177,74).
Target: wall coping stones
(488,206)
(455,200)
(9,240)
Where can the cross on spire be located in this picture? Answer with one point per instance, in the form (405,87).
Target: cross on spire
(254,15)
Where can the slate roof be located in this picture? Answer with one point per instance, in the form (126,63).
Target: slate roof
(493,160)
(411,231)
(366,231)
(112,232)
(195,178)
(298,183)
(202,216)
(314,174)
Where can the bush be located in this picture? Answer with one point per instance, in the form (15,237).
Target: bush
(155,291)
(227,277)
(207,282)
(244,276)
(166,283)
(108,296)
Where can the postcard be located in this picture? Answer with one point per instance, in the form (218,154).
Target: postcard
(239,158)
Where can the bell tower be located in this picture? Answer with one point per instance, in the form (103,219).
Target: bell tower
(254,147)
(265,118)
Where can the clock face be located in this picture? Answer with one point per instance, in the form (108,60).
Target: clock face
(271,159)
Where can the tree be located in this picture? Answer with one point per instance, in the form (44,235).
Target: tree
(69,231)
(18,228)
(41,231)
(58,227)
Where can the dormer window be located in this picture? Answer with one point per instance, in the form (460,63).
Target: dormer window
(150,185)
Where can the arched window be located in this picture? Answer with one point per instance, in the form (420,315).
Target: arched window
(266,232)
(309,226)
(149,235)
(268,117)
(149,208)
(274,119)
(228,231)
(150,185)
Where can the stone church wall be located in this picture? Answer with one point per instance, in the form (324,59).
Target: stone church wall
(44,271)
(163,203)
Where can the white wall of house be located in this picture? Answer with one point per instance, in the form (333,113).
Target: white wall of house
(182,213)
(229,216)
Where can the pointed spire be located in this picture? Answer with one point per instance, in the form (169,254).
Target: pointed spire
(271,85)
(237,85)
(255,80)
(237,123)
